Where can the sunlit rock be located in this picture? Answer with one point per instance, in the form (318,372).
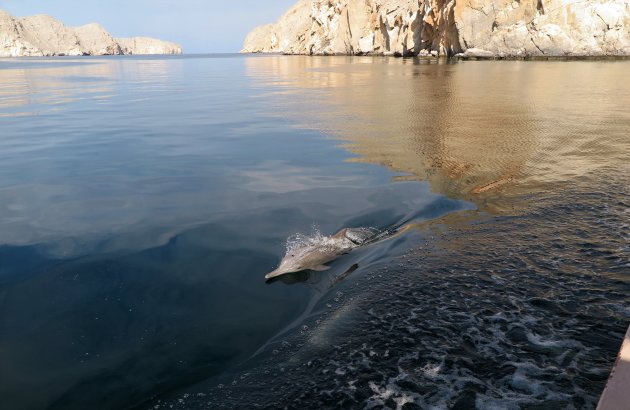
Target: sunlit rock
(366,44)
(284,36)
(12,43)
(477,52)
(505,28)
(95,40)
(42,35)
(50,36)
(147,45)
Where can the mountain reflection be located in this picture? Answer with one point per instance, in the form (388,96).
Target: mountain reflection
(475,130)
(31,87)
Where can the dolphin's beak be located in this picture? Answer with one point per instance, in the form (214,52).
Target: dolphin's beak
(279,272)
(274,273)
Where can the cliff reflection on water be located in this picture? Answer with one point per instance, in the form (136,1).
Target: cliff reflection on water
(481,131)
(37,86)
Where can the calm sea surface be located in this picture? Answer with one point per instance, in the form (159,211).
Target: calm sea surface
(143,199)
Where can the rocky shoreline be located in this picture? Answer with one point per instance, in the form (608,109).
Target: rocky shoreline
(467,29)
(43,36)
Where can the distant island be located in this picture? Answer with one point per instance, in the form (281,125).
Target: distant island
(468,28)
(42,35)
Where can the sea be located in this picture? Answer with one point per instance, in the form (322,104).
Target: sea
(143,200)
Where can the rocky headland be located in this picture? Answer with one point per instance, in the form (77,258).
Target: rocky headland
(468,28)
(42,35)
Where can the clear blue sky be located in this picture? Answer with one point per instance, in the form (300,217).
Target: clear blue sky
(198,25)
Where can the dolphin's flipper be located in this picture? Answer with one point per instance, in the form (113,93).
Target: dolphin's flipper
(320,268)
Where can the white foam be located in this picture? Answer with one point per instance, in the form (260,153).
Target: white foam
(431,370)
(521,382)
(539,341)
(300,241)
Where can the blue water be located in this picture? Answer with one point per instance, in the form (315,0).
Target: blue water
(143,199)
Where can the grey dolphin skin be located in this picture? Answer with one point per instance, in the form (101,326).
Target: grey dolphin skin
(314,256)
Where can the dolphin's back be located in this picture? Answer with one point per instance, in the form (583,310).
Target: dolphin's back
(361,236)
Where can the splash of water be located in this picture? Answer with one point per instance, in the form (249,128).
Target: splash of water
(299,242)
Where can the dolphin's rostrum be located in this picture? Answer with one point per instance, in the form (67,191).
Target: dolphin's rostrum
(313,253)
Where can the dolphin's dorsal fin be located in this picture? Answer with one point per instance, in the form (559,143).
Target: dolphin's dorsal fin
(340,234)
(320,268)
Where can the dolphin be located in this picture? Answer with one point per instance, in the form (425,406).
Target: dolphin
(315,253)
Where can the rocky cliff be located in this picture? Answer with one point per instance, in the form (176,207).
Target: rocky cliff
(481,28)
(147,45)
(42,35)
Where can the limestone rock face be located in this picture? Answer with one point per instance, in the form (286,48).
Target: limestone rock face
(147,45)
(50,36)
(285,35)
(95,40)
(411,27)
(358,27)
(546,27)
(42,35)
(12,42)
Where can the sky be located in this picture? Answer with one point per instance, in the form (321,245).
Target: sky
(210,26)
